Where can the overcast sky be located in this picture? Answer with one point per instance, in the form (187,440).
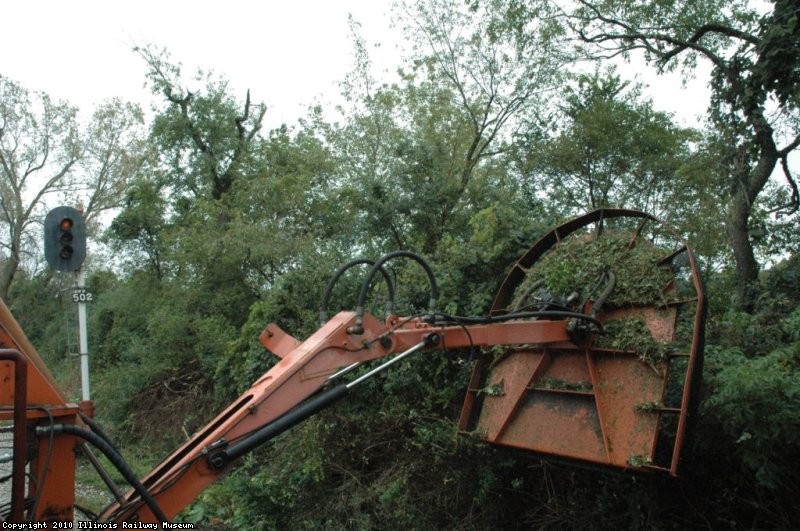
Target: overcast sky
(288,53)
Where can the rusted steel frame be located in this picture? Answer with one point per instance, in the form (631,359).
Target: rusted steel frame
(300,373)
(469,401)
(20,428)
(520,397)
(42,388)
(56,494)
(598,402)
(694,363)
(691,382)
(670,257)
(550,239)
(55,485)
(34,413)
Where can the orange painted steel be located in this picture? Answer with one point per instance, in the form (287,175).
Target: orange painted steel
(42,387)
(301,372)
(51,467)
(603,406)
(20,443)
(595,417)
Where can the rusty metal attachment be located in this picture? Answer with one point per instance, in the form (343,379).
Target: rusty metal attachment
(34,400)
(620,396)
(592,352)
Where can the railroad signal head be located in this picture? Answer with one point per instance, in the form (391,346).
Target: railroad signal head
(64,239)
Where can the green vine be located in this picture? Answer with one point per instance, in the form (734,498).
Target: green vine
(576,264)
(632,334)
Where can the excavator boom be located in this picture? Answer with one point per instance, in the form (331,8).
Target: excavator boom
(591,353)
(303,371)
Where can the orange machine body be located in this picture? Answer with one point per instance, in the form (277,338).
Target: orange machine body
(305,368)
(52,464)
(596,418)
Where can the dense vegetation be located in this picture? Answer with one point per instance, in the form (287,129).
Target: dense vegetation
(485,140)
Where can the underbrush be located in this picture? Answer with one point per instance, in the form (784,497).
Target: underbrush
(389,456)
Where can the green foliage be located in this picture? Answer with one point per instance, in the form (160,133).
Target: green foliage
(633,334)
(778,71)
(471,269)
(256,497)
(576,265)
(610,148)
(224,228)
(757,402)
(752,380)
(151,358)
(754,375)
(136,232)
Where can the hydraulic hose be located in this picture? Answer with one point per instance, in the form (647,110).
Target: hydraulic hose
(522,315)
(98,466)
(521,298)
(113,456)
(611,282)
(323,310)
(362,297)
(224,453)
(98,430)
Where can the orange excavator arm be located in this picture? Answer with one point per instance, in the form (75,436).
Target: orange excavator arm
(303,382)
(555,387)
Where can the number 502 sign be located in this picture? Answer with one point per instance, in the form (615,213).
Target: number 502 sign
(81,295)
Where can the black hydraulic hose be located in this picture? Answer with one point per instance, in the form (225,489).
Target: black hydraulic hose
(601,300)
(521,315)
(323,310)
(98,430)
(534,285)
(98,466)
(362,297)
(218,460)
(114,457)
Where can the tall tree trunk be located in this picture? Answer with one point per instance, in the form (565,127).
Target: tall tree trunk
(11,266)
(749,180)
(9,270)
(746,265)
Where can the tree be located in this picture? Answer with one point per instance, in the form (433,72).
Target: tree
(39,146)
(205,137)
(612,149)
(114,154)
(139,226)
(755,88)
(45,153)
(411,151)
(207,143)
(496,74)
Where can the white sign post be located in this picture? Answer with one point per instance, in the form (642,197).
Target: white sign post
(81,297)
